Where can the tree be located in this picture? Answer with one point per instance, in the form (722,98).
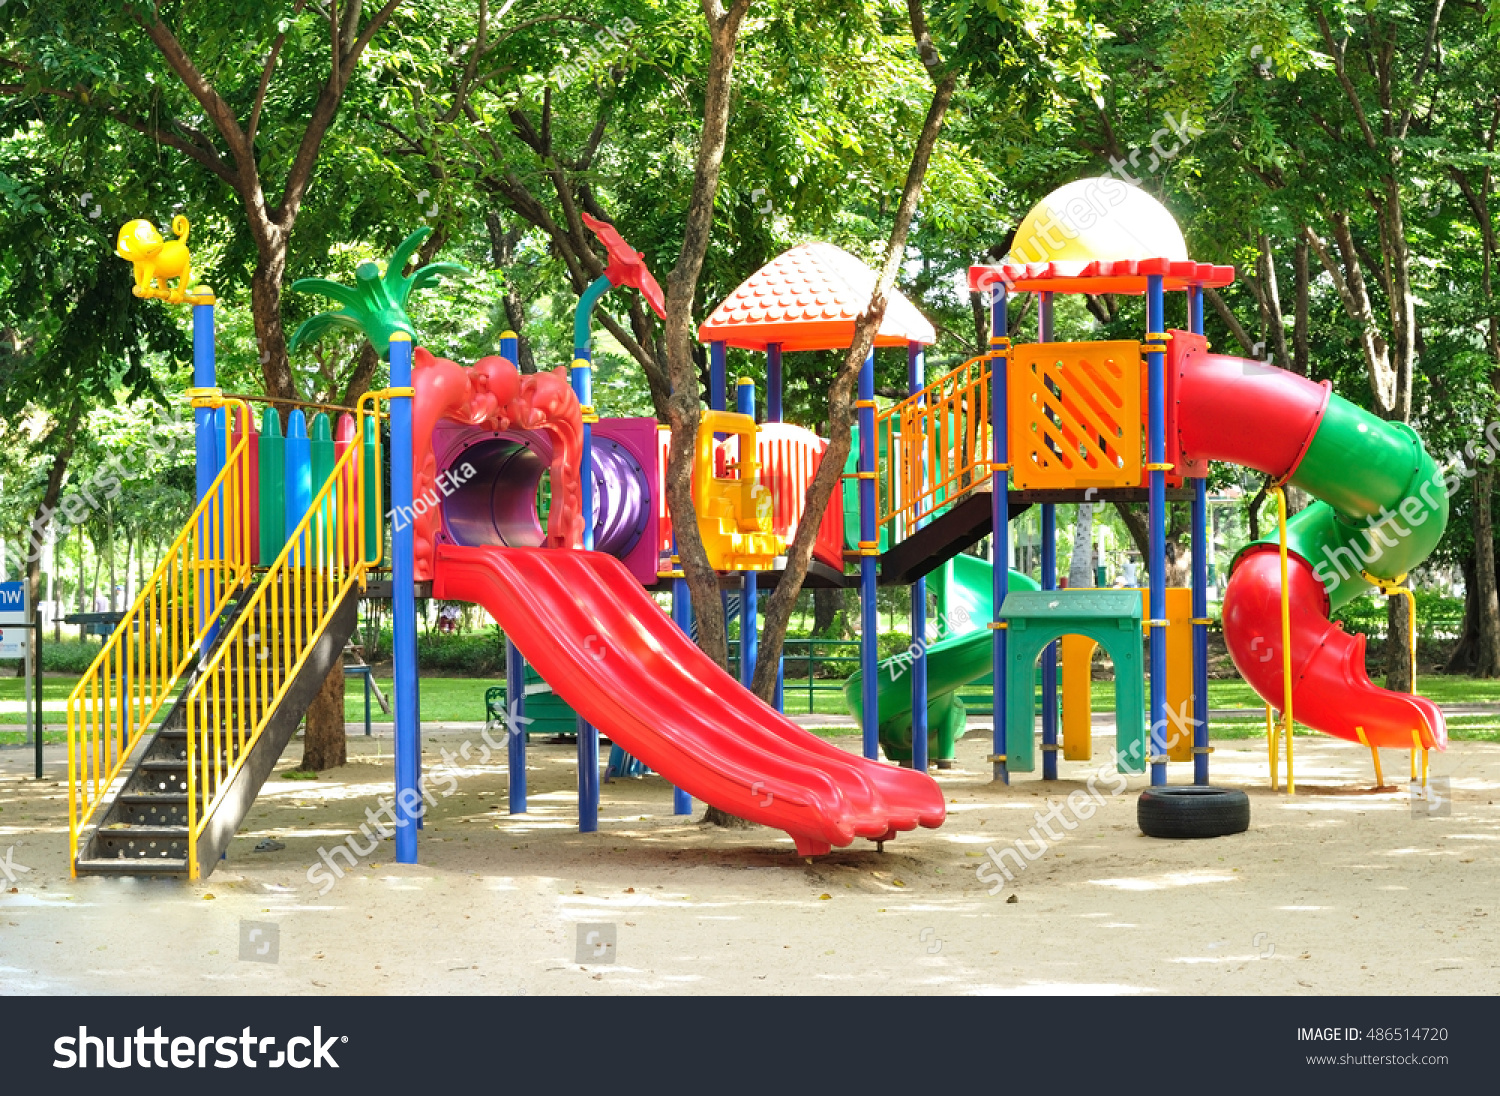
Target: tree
(266,124)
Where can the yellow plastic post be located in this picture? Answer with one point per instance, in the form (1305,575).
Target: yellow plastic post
(1273,748)
(1077,698)
(1286,640)
(1374,756)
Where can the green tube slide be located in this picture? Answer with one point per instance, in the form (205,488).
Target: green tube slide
(960,657)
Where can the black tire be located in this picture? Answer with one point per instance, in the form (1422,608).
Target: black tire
(1192,810)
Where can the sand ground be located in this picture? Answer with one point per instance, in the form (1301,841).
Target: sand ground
(1338,890)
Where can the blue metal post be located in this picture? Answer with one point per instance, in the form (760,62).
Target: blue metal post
(744,403)
(1049,582)
(773,382)
(588,735)
(205,375)
(404,610)
(717,380)
(1156,363)
(510,347)
(1000,518)
(1201,551)
(682,616)
(515,725)
(916,363)
(773,414)
(869,548)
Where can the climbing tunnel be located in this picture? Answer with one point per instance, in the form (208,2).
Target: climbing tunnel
(504,502)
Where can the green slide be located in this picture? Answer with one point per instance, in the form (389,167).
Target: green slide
(959,658)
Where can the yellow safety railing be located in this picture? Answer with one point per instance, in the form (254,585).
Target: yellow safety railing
(271,638)
(937,444)
(170,625)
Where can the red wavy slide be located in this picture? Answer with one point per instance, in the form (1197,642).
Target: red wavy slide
(610,652)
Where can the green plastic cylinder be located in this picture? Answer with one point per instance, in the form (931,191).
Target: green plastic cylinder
(272,486)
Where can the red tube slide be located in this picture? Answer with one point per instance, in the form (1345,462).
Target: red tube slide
(610,652)
(1268,419)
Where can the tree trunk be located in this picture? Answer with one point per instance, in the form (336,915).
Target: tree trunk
(829,476)
(1485,603)
(827,605)
(324,745)
(265,307)
(1398,646)
(1138,522)
(1081,567)
(1461,658)
(503,256)
(65,437)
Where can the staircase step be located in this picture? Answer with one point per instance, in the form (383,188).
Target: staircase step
(141,844)
(125,866)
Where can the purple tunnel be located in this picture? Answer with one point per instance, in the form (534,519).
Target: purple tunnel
(502,501)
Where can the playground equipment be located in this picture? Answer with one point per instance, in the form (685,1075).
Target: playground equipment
(257,597)
(1121,420)
(157,260)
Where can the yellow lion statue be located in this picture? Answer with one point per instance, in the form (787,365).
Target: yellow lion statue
(156,260)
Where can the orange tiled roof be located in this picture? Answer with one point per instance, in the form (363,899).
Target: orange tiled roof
(808,299)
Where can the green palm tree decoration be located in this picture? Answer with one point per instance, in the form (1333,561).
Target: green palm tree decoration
(375,305)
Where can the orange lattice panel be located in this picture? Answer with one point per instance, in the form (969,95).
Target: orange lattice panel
(1075,415)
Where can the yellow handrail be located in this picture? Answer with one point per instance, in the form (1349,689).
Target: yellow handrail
(1286,648)
(139,666)
(270,639)
(944,427)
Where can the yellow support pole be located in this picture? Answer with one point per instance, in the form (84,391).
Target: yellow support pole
(1374,756)
(1286,640)
(1273,748)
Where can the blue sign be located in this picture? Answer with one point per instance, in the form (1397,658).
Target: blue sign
(13,603)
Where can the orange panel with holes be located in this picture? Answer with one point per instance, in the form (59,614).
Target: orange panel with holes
(1075,415)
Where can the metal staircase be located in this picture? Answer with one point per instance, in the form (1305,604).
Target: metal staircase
(249,651)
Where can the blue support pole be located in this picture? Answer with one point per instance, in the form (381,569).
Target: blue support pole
(717,381)
(515,725)
(744,403)
(1000,518)
(404,610)
(869,547)
(1156,364)
(1049,582)
(773,382)
(1201,550)
(588,735)
(510,347)
(916,380)
(682,616)
(773,414)
(206,449)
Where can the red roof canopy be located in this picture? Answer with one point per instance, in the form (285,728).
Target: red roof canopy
(808,298)
(1100,276)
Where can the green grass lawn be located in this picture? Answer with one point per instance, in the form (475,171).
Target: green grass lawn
(461,699)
